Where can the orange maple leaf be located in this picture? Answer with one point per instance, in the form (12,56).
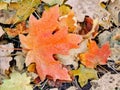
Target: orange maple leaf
(48,37)
(95,55)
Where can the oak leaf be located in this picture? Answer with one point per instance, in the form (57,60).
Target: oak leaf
(95,55)
(84,74)
(48,37)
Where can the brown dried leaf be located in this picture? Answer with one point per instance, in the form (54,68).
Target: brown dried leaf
(5,57)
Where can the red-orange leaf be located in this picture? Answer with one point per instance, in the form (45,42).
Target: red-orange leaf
(95,55)
(48,37)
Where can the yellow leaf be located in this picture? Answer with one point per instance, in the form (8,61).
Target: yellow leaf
(53,2)
(31,67)
(3,5)
(64,10)
(84,74)
(69,21)
(24,9)
(17,81)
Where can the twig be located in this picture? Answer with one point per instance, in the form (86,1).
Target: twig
(103,68)
(15,48)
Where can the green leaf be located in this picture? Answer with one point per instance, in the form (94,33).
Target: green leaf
(84,74)
(17,81)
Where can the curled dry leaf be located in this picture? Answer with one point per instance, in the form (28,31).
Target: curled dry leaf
(93,31)
(95,55)
(48,37)
(90,8)
(107,82)
(86,26)
(5,58)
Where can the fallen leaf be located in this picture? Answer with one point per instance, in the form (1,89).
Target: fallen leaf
(86,26)
(115,47)
(1,31)
(53,2)
(95,55)
(19,29)
(72,57)
(115,38)
(5,57)
(64,10)
(114,9)
(17,81)
(93,31)
(107,82)
(3,5)
(10,1)
(104,37)
(24,9)
(90,8)
(32,75)
(47,37)
(31,67)
(68,20)
(84,74)
(20,60)
(5,15)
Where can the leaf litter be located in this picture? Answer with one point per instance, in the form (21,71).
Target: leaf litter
(59,45)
